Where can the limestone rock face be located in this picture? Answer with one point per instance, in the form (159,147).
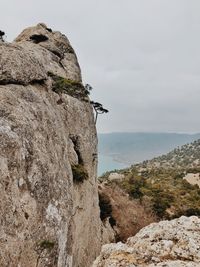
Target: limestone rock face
(59,46)
(19,66)
(30,58)
(165,244)
(47,218)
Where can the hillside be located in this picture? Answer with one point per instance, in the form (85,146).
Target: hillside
(166,185)
(132,148)
(184,157)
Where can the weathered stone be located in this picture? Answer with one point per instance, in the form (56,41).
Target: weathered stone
(59,47)
(19,66)
(165,244)
(46,218)
(24,61)
(115,176)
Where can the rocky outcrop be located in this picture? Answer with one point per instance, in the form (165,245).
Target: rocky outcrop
(27,61)
(49,217)
(165,244)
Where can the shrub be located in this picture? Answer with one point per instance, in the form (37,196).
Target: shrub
(187,212)
(46,244)
(67,86)
(2,34)
(105,206)
(38,38)
(160,205)
(79,173)
(135,185)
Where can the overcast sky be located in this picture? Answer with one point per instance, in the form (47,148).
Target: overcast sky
(142,57)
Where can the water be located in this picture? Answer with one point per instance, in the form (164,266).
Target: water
(106,163)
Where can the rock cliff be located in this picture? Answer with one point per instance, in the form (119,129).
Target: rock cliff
(48,145)
(165,244)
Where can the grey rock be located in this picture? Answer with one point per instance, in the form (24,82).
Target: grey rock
(59,47)
(47,219)
(173,243)
(18,66)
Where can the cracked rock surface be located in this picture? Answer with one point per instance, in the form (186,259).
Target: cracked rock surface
(24,61)
(173,243)
(47,219)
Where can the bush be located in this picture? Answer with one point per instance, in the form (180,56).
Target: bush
(160,205)
(79,173)
(46,244)
(105,206)
(2,34)
(188,212)
(38,38)
(135,185)
(70,87)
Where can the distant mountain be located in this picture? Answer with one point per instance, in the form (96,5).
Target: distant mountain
(184,157)
(169,185)
(131,148)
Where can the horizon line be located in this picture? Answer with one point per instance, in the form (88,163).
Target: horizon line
(148,132)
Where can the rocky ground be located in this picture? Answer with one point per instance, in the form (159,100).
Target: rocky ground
(173,243)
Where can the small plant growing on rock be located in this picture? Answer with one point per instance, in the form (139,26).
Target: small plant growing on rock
(77,90)
(105,206)
(38,38)
(70,87)
(79,173)
(2,34)
(98,108)
(46,244)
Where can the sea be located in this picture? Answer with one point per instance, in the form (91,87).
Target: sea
(107,163)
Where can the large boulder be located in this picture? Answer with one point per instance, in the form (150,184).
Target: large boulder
(173,243)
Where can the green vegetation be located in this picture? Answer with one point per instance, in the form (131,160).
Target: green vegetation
(70,87)
(105,206)
(98,109)
(168,194)
(46,244)
(79,173)
(159,183)
(38,38)
(184,157)
(2,34)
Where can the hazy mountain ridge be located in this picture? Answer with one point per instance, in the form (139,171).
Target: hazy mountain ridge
(133,148)
(184,157)
(161,185)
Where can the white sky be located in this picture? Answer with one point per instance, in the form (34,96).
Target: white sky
(141,56)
